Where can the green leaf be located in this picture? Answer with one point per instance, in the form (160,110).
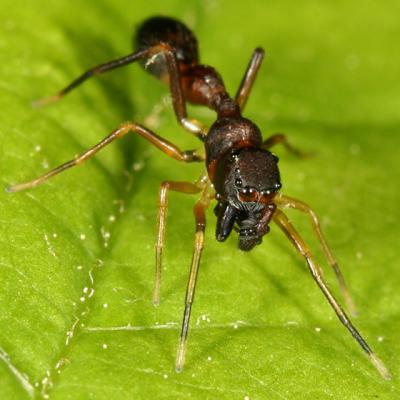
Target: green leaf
(77,256)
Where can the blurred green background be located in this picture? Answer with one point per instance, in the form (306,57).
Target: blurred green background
(76,255)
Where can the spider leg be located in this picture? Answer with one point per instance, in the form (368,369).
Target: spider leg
(97,70)
(282,221)
(165,187)
(164,145)
(178,100)
(249,77)
(289,202)
(200,219)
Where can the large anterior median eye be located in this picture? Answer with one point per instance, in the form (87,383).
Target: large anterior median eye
(267,195)
(248,194)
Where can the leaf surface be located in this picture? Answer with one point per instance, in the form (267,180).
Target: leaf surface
(77,255)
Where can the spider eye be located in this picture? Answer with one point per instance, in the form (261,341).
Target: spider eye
(238,182)
(248,194)
(266,192)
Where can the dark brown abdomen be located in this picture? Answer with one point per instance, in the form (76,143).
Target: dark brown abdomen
(169,31)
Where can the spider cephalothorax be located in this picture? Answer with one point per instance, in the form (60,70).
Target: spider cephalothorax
(246,183)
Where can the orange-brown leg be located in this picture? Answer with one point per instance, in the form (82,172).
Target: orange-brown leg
(164,145)
(200,219)
(249,77)
(165,187)
(289,202)
(283,222)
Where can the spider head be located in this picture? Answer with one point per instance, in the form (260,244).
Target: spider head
(246,183)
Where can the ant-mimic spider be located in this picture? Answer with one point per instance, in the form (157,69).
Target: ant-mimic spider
(242,174)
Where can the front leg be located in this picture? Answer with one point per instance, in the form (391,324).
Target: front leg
(289,202)
(283,222)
